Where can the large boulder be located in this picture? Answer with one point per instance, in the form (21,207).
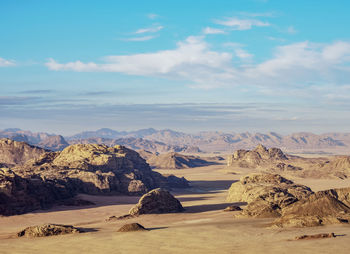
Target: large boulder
(157,201)
(47,230)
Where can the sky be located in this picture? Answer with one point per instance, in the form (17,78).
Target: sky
(223,65)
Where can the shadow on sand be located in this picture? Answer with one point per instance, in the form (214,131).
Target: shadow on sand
(213,185)
(156,228)
(87,230)
(210,207)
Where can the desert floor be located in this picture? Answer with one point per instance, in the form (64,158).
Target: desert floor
(203,228)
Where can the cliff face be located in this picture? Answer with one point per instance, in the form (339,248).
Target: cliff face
(18,153)
(54,143)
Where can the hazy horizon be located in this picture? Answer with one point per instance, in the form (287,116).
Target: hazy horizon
(230,66)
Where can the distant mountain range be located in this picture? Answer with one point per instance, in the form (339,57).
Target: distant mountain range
(172,141)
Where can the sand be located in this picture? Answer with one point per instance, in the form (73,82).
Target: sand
(203,228)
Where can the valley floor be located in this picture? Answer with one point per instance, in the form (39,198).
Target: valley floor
(203,228)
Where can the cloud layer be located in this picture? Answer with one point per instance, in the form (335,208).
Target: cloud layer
(6,63)
(194,61)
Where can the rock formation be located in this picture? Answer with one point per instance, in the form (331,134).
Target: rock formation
(176,161)
(270,195)
(47,230)
(90,169)
(17,153)
(132,227)
(318,209)
(316,236)
(266,194)
(157,201)
(54,143)
(257,157)
(20,195)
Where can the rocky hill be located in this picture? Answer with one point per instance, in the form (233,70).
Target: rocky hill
(177,161)
(17,153)
(293,205)
(81,168)
(256,157)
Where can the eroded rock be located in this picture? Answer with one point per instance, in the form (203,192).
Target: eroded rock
(132,227)
(47,230)
(316,236)
(157,201)
(266,194)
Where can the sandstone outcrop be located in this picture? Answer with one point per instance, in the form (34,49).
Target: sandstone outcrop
(47,230)
(17,153)
(157,201)
(176,161)
(266,194)
(90,169)
(318,209)
(54,143)
(257,157)
(293,205)
(132,227)
(20,195)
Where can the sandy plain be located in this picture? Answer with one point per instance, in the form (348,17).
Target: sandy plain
(203,228)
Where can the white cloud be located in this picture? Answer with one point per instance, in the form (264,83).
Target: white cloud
(194,61)
(152,16)
(271,38)
(210,30)
(149,30)
(241,24)
(291,30)
(143,38)
(6,63)
(242,54)
(337,52)
(187,61)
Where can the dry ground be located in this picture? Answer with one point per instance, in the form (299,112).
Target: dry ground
(203,228)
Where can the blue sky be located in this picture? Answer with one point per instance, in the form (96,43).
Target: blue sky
(252,65)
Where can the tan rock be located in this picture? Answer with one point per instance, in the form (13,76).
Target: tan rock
(257,157)
(318,209)
(132,227)
(157,201)
(18,153)
(316,236)
(266,194)
(47,230)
